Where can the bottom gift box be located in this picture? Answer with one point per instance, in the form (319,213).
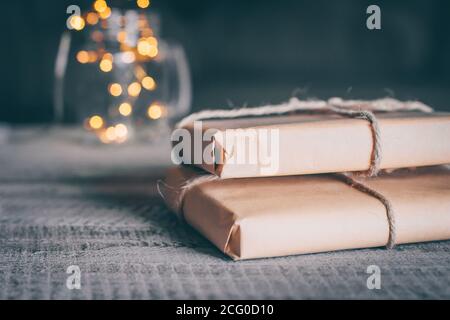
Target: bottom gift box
(280,216)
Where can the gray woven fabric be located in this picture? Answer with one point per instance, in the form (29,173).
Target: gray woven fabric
(65,203)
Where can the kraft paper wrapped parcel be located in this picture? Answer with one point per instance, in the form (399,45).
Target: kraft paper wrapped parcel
(310,144)
(305,206)
(278,216)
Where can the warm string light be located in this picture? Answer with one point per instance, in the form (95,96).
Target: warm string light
(134,89)
(115,89)
(148,47)
(111,134)
(155,111)
(83,57)
(92,56)
(143,51)
(125,109)
(149,83)
(106,65)
(96,122)
(128,57)
(121,131)
(77,23)
(105,14)
(92,18)
(122,36)
(100,6)
(143,4)
(139,72)
(114,134)
(97,36)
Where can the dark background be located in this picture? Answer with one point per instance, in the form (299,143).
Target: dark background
(251,51)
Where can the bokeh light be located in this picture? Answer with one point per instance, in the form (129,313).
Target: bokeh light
(153,52)
(93,56)
(83,57)
(96,122)
(77,23)
(105,14)
(149,83)
(100,6)
(97,36)
(148,47)
(155,111)
(128,57)
(110,133)
(108,56)
(125,109)
(106,65)
(121,131)
(143,47)
(121,36)
(143,3)
(115,89)
(92,18)
(134,89)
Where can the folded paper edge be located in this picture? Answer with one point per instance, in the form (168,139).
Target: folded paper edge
(233,244)
(226,236)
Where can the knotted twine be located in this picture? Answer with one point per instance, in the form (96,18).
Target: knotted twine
(357,109)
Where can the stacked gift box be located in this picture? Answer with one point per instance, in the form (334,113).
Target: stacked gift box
(270,182)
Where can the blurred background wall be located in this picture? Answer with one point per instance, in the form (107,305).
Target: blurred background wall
(253,51)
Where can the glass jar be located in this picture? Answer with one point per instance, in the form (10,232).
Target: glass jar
(119,79)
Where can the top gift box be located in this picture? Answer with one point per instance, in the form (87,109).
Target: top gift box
(311,143)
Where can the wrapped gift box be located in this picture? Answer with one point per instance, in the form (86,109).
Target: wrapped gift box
(278,216)
(311,144)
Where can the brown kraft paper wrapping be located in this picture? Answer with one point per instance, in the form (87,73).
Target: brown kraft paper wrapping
(311,144)
(280,216)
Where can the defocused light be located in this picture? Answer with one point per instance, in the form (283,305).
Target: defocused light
(148,47)
(128,57)
(108,56)
(110,133)
(106,65)
(97,36)
(92,56)
(155,111)
(134,89)
(122,36)
(83,57)
(153,52)
(115,89)
(142,22)
(148,83)
(77,23)
(100,5)
(143,47)
(125,109)
(139,72)
(103,138)
(96,122)
(121,131)
(92,18)
(105,14)
(143,3)
(147,32)
(152,41)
